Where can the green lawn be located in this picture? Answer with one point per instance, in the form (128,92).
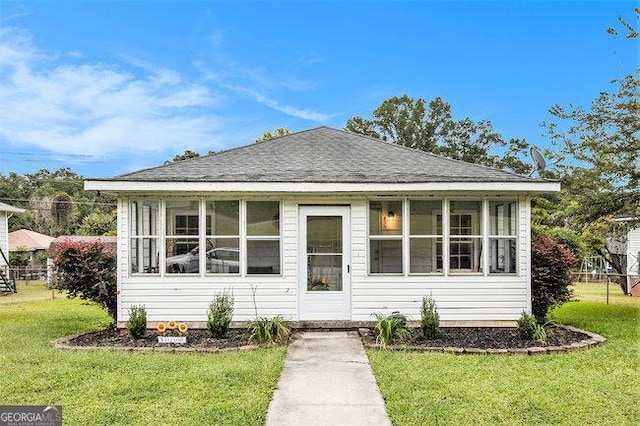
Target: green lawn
(114,387)
(599,386)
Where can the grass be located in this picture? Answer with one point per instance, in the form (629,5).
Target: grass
(599,386)
(115,387)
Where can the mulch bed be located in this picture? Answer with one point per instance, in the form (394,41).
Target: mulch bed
(197,339)
(453,339)
(488,338)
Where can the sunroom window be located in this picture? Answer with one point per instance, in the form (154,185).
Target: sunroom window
(425,236)
(502,236)
(263,237)
(465,236)
(145,226)
(223,237)
(182,249)
(385,237)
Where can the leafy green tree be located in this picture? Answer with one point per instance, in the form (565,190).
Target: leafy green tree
(98,223)
(431,127)
(20,256)
(599,166)
(279,132)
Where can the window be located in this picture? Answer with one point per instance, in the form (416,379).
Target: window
(263,237)
(425,236)
(145,226)
(182,232)
(502,236)
(385,237)
(223,237)
(465,236)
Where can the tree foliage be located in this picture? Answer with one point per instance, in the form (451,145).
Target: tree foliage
(87,270)
(551,264)
(41,194)
(431,127)
(98,223)
(268,135)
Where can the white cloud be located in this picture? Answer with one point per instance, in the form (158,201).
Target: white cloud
(97,109)
(305,114)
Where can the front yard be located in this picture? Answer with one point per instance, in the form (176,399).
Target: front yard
(114,387)
(599,386)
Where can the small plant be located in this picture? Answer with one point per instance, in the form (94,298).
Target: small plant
(268,330)
(220,314)
(527,324)
(540,334)
(391,328)
(137,322)
(429,318)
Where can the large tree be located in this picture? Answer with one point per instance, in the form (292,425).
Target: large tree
(599,164)
(431,127)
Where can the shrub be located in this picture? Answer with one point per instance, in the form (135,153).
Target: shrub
(391,328)
(527,326)
(550,275)
(429,318)
(87,269)
(137,322)
(220,314)
(268,330)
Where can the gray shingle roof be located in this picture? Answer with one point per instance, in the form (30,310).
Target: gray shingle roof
(322,154)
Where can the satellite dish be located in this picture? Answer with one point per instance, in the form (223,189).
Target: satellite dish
(538,159)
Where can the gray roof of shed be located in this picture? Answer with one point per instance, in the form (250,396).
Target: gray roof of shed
(320,155)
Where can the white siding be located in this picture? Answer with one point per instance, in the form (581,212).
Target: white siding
(4,236)
(459,297)
(633,249)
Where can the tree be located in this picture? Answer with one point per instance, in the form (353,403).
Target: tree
(268,135)
(599,163)
(186,155)
(431,127)
(98,223)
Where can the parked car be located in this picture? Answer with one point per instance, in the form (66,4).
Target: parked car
(223,260)
(219,260)
(187,263)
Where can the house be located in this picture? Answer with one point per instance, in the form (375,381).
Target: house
(33,242)
(633,262)
(5,212)
(324,225)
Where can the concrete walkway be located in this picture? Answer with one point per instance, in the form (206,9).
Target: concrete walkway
(327,380)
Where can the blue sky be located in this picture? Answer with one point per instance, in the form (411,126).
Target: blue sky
(109,87)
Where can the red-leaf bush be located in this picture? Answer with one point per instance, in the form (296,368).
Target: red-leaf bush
(87,269)
(550,275)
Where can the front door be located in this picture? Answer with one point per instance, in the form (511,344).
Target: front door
(325,270)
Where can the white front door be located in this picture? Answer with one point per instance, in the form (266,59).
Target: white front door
(325,263)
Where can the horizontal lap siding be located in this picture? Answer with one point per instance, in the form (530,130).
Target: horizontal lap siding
(4,236)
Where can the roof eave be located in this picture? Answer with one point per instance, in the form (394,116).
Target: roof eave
(120,186)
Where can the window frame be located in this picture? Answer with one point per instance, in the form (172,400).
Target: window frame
(434,238)
(208,236)
(397,237)
(494,237)
(478,218)
(245,238)
(140,238)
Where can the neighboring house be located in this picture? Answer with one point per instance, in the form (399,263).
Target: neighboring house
(324,225)
(6,281)
(5,212)
(30,241)
(633,261)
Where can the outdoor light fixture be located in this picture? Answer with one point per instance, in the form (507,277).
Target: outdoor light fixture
(391,215)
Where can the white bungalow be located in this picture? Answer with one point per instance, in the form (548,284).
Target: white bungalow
(324,225)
